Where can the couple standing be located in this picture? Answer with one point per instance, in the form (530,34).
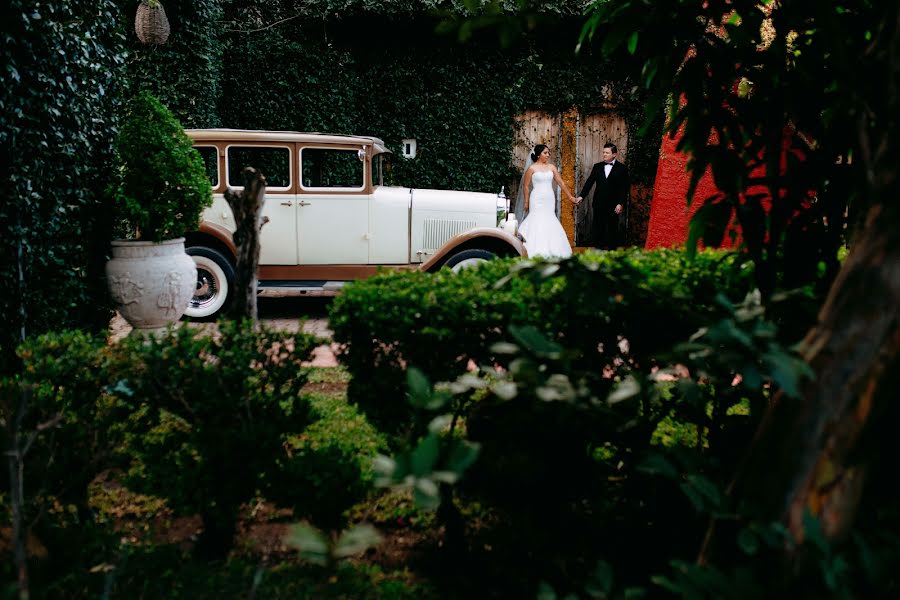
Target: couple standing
(543,234)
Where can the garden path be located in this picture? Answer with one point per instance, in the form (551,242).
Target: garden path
(285,316)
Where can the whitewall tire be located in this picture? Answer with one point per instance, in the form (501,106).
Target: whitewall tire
(215,281)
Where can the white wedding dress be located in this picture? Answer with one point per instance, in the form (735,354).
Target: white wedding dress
(544,236)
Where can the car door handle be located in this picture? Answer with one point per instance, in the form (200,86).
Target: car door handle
(302,203)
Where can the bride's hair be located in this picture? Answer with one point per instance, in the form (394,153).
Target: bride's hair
(537,151)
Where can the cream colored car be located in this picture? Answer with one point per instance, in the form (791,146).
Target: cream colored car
(331,219)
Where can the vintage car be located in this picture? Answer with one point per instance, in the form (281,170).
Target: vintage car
(331,218)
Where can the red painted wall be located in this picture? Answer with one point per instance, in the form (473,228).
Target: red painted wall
(669,213)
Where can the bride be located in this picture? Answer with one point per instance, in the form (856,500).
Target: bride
(543,234)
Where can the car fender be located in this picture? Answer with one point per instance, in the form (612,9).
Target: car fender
(220,233)
(488,238)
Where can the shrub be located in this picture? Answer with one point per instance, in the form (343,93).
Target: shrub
(439,322)
(204,417)
(161,186)
(198,418)
(330,463)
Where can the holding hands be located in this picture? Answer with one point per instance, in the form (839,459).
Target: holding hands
(577,200)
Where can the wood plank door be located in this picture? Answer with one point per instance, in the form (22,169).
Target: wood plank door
(595,130)
(531,128)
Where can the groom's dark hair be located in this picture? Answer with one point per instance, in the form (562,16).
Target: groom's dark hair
(537,151)
(612,147)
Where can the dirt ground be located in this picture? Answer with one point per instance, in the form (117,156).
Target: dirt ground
(288,314)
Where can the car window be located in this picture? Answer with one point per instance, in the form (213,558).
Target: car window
(331,168)
(274,162)
(377,161)
(210,156)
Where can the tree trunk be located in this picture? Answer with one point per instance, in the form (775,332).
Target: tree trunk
(247,208)
(812,455)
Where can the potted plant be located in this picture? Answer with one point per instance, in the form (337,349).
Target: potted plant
(159,191)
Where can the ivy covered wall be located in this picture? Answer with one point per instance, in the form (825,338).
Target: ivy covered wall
(185,73)
(380,68)
(62,62)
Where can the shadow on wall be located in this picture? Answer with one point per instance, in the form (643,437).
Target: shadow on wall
(639,214)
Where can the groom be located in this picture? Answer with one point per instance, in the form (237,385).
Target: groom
(610,200)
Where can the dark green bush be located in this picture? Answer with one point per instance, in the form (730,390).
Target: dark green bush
(204,418)
(439,322)
(161,187)
(62,73)
(331,462)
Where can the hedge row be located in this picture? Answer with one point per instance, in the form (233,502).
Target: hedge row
(440,322)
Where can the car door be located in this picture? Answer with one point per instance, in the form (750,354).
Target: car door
(332,206)
(278,237)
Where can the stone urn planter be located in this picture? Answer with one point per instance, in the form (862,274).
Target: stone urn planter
(159,189)
(151,282)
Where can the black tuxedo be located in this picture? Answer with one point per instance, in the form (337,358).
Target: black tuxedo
(611,190)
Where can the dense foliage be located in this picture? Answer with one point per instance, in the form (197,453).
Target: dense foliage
(160,186)
(600,435)
(439,322)
(185,73)
(189,423)
(793,108)
(62,64)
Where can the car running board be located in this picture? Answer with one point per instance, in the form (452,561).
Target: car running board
(285,289)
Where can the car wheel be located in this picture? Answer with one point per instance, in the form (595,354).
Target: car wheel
(469,258)
(215,281)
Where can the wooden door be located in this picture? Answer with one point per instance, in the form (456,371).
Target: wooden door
(593,130)
(532,128)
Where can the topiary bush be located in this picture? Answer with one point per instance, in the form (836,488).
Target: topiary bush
(161,186)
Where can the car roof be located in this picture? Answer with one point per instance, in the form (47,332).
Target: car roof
(261,135)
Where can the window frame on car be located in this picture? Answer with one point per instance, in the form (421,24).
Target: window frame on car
(215,147)
(287,146)
(364,185)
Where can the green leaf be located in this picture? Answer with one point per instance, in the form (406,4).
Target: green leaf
(545,592)
(658,464)
(419,387)
(440,424)
(629,388)
(462,455)
(355,540)
(534,341)
(425,456)
(426,493)
(632,42)
(748,542)
(312,543)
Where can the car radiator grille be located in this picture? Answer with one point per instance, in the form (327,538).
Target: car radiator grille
(438,231)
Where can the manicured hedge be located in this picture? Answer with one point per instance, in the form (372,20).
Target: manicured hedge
(439,322)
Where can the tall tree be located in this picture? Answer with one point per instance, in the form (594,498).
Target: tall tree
(774,98)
